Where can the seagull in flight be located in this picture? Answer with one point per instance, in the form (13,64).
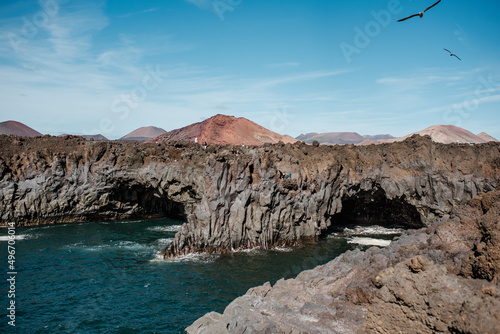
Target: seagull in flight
(452,54)
(419,14)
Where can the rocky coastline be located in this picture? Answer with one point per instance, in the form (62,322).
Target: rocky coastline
(236,197)
(442,278)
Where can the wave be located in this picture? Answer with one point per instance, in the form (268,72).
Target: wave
(254,250)
(369,241)
(193,257)
(17,237)
(121,245)
(169,228)
(164,241)
(282,249)
(367,231)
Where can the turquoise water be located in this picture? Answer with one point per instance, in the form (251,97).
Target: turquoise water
(102,277)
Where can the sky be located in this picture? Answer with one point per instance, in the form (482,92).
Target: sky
(295,66)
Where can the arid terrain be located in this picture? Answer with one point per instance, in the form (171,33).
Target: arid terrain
(224,130)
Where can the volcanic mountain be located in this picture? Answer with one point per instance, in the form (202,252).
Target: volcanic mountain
(331,138)
(143,134)
(18,129)
(88,137)
(486,137)
(445,134)
(224,130)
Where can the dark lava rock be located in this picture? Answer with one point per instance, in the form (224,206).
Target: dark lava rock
(411,286)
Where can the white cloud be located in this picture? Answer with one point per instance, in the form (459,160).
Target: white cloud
(149,10)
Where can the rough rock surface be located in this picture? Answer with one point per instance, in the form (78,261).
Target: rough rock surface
(412,286)
(231,200)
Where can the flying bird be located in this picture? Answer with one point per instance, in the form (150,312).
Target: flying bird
(452,54)
(419,14)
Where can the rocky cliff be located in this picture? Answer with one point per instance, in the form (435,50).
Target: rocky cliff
(235,197)
(438,279)
(411,183)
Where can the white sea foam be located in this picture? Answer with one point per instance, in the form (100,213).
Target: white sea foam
(169,228)
(121,245)
(16,237)
(247,250)
(193,257)
(369,241)
(127,221)
(367,231)
(165,241)
(282,249)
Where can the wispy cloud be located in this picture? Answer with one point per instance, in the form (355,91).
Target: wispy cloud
(300,77)
(149,10)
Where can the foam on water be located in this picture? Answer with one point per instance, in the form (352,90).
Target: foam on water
(17,237)
(369,241)
(282,249)
(122,245)
(367,230)
(164,241)
(196,258)
(170,228)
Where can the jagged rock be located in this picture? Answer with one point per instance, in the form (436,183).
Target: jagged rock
(411,286)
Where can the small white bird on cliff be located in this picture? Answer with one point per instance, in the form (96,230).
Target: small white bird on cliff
(419,14)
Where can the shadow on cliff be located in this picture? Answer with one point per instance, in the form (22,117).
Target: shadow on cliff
(142,201)
(368,208)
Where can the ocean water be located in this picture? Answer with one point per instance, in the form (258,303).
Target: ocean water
(102,277)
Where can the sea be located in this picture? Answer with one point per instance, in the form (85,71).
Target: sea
(104,277)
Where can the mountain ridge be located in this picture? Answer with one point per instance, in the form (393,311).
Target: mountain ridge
(224,130)
(143,133)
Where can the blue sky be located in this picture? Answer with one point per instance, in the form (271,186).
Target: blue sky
(109,67)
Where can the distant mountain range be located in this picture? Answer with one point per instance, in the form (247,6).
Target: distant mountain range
(143,134)
(332,138)
(445,134)
(224,130)
(88,137)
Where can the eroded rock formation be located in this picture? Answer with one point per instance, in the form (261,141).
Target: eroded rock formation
(421,283)
(411,183)
(235,197)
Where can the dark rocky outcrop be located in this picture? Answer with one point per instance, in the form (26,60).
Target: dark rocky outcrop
(235,197)
(410,183)
(415,285)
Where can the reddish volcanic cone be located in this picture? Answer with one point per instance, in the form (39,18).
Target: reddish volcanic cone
(224,130)
(143,134)
(18,129)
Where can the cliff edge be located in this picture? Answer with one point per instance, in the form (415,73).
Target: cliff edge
(439,279)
